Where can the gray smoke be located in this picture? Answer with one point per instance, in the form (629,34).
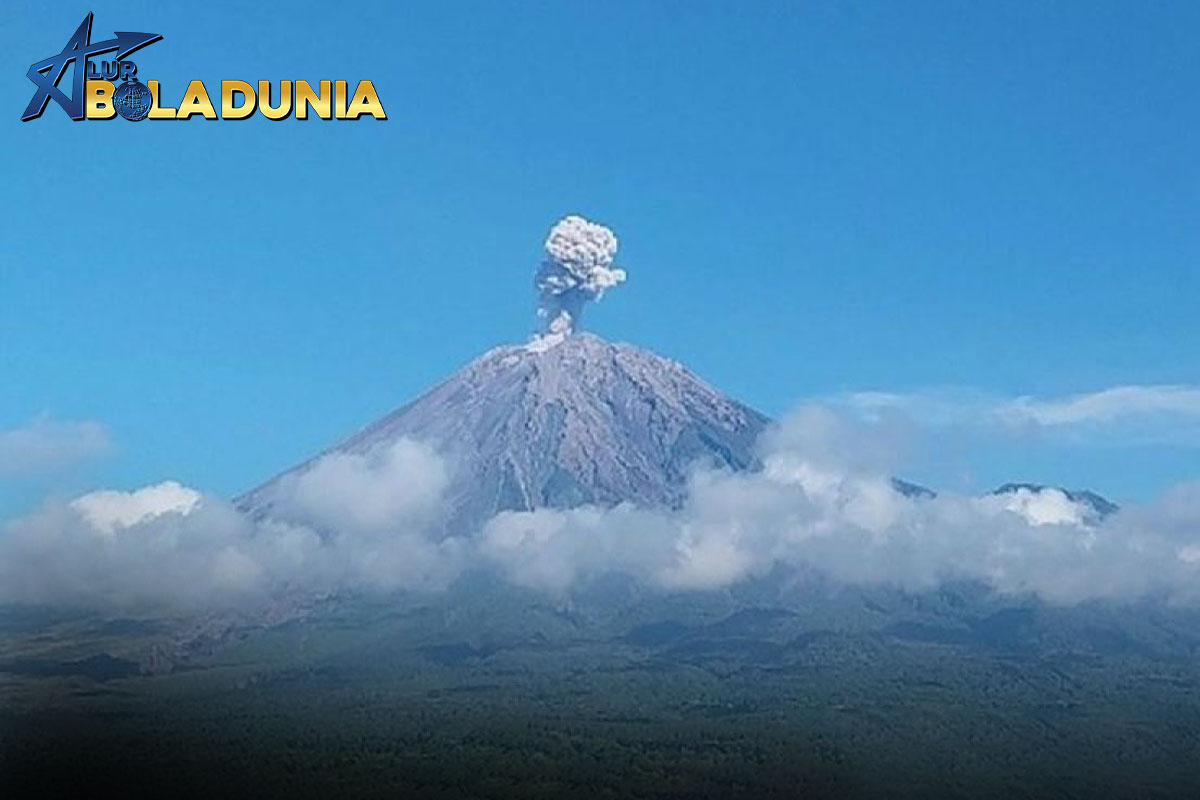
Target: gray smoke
(578,268)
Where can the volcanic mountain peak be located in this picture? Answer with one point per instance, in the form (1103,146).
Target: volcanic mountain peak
(562,423)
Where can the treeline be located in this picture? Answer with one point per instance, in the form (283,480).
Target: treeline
(246,755)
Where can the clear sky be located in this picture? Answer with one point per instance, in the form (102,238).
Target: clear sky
(966,200)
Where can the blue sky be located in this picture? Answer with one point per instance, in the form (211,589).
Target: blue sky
(813,201)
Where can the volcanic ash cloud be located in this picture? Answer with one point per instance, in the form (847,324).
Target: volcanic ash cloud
(578,268)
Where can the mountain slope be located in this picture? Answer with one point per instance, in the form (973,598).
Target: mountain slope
(580,421)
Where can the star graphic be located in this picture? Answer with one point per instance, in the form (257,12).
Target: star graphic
(47,74)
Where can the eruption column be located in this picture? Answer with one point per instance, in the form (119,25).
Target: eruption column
(577,269)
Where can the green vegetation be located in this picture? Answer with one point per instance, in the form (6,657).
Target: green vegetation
(522,700)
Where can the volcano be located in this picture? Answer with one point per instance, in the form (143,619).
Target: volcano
(559,423)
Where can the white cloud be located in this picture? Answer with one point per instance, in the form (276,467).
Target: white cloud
(1049,506)
(822,503)
(1135,414)
(809,511)
(107,510)
(552,549)
(46,444)
(1105,406)
(350,522)
(370,492)
(170,560)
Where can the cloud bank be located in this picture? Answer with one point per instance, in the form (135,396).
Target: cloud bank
(823,502)
(351,523)
(834,512)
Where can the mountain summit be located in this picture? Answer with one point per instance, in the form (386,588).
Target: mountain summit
(562,422)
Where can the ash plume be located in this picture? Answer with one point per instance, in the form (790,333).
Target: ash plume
(578,268)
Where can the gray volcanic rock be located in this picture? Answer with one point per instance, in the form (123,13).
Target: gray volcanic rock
(579,421)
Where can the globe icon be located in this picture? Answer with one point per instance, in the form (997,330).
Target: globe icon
(132,100)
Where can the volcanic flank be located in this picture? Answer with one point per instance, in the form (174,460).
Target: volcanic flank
(568,419)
